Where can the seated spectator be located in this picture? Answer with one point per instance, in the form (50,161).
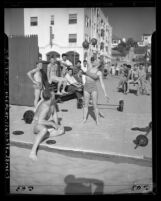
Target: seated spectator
(52,76)
(65,63)
(77,67)
(135,79)
(142,78)
(74,86)
(149,73)
(117,70)
(125,75)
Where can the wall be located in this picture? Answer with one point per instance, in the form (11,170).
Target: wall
(14,21)
(61,28)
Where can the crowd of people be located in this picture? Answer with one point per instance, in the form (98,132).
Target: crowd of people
(79,79)
(138,75)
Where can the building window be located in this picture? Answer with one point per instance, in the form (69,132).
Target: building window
(72,38)
(72,18)
(87,21)
(52,20)
(33,21)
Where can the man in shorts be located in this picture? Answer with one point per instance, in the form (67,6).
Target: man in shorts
(36,77)
(52,76)
(45,121)
(65,64)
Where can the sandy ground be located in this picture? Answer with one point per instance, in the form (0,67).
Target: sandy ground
(59,174)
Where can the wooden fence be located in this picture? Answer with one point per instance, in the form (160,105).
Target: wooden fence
(23,55)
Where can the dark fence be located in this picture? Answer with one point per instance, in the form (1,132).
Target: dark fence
(23,55)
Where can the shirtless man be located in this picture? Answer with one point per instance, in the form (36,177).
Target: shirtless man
(52,76)
(45,121)
(36,77)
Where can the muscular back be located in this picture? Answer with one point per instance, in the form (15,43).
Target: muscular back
(43,111)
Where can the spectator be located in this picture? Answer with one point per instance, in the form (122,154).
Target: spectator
(77,68)
(77,72)
(113,70)
(134,79)
(36,77)
(125,76)
(117,70)
(142,78)
(52,76)
(84,68)
(65,63)
(74,86)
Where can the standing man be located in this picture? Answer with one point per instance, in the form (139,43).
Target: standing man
(36,77)
(52,76)
(84,68)
(45,121)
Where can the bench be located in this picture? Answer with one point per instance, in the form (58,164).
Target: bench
(53,87)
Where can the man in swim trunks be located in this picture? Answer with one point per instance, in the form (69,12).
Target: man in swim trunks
(45,120)
(36,77)
(52,76)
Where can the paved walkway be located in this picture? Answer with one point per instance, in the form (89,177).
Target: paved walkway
(113,137)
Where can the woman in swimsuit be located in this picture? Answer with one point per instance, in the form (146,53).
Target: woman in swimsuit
(90,88)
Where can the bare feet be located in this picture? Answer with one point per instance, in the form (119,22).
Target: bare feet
(64,92)
(33,156)
(59,93)
(97,123)
(84,121)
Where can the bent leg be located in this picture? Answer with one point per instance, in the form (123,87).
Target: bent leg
(37,97)
(64,85)
(40,136)
(94,100)
(86,103)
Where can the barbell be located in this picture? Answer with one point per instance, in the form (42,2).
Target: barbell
(120,106)
(142,140)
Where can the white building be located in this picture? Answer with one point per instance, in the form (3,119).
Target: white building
(145,40)
(115,41)
(63,30)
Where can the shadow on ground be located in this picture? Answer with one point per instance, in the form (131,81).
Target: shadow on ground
(82,186)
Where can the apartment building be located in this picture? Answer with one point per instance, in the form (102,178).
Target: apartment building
(62,30)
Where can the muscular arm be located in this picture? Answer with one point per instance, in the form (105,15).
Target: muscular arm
(31,73)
